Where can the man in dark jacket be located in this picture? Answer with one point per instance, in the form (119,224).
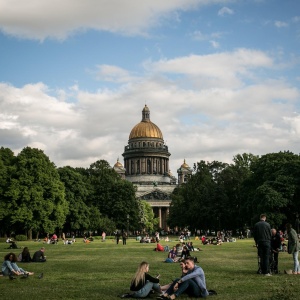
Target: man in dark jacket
(262,236)
(39,256)
(275,248)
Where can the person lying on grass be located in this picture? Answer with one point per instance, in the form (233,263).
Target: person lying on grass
(193,283)
(10,267)
(142,283)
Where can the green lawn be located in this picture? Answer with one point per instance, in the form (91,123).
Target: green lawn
(103,271)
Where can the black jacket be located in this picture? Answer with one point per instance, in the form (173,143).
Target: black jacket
(262,232)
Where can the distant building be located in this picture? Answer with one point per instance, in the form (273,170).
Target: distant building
(146,165)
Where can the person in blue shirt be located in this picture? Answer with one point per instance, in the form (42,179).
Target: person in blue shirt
(10,267)
(193,283)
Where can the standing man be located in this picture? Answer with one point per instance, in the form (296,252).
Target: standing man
(117,237)
(262,236)
(275,248)
(124,237)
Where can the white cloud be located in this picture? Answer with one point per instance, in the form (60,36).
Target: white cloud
(214,44)
(210,122)
(41,19)
(221,69)
(225,11)
(281,24)
(113,74)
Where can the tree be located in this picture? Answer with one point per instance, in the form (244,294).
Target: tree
(76,194)
(146,216)
(7,165)
(273,188)
(114,197)
(36,194)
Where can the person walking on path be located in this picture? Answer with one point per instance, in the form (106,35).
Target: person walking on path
(262,236)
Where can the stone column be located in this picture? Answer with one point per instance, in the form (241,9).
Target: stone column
(159,217)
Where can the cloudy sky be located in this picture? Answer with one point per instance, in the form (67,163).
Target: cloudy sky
(220,77)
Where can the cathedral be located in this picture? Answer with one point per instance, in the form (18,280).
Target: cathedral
(146,165)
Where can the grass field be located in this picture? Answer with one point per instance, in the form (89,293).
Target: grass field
(103,270)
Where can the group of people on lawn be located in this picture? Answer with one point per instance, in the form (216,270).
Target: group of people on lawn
(10,267)
(191,282)
(269,243)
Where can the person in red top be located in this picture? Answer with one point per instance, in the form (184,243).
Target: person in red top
(159,247)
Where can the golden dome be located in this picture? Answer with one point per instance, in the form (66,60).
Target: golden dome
(145,129)
(185,165)
(118,164)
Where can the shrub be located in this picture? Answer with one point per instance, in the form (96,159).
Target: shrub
(21,237)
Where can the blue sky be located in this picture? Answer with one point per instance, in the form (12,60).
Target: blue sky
(220,77)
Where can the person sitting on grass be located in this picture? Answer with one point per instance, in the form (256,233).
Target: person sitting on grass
(39,255)
(193,283)
(10,267)
(184,271)
(143,283)
(173,254)
(25,255)
(159,247)
(184,253)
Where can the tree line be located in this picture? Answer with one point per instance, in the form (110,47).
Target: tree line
(37,198)
(232,196)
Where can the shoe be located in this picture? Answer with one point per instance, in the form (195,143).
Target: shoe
(268,274)
(127,295)
(162,297)
(11,277)
(41,276)
(24,276)
(212,292)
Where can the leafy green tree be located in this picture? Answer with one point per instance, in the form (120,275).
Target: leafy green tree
(274,188)
(212,197)
(36,194)
(147,218)
(76,194)
(107,225)
(7,165)
(114,197)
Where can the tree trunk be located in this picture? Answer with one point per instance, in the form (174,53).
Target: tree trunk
(29,234)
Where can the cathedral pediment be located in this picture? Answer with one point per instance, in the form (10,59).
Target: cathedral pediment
(155,194)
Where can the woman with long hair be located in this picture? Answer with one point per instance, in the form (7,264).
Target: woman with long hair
(10,267)
(142,283)
(25,255)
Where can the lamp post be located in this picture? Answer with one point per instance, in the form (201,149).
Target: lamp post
(297,223)
(127,224)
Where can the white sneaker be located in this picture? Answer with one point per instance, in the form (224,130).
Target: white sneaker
(268,274)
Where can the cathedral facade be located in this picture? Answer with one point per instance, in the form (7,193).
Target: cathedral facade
(146,165)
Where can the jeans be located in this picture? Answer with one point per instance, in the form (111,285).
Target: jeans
(264,249)
(189,286)
(296,262)
(275,258)
(6,271)
(146,289)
